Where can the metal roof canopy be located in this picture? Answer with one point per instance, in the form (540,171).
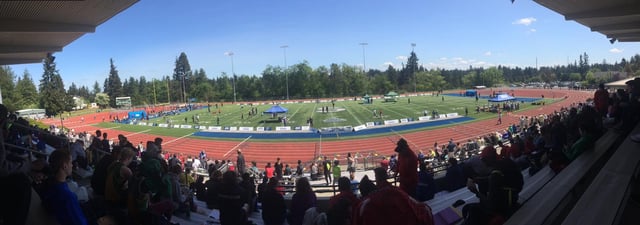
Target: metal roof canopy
(619,20)
(29,30)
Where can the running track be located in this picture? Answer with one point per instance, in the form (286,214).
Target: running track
(290,152)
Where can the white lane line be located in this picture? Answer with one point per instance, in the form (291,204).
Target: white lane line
(174,140)
(140,132)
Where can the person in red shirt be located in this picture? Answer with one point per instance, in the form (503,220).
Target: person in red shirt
(407,167)
(268,170)
(384,163)
(389,205)
(601,100)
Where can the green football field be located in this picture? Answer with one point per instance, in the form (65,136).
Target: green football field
(344,113)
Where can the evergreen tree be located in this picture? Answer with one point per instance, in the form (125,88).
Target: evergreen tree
(182,74)
(408,76)
(73,90)
(27,92)
(53,97)
(96,88)
(113,85)
(7,88)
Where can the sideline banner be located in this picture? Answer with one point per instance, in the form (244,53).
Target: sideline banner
(386,122)
(358,128)
(282,128)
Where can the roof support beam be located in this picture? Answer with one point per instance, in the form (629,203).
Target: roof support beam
(623,35)
(619,10)
(20,25)
(629,39)
(11,61)
(616,26)
(28,49)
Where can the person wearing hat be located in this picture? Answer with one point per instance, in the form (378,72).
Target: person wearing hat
(407,167)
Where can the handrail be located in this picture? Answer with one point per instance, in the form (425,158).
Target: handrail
(25,148)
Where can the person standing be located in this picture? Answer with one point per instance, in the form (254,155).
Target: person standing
(407,167)
(240,163)
(326,168)
(278,168)
(351,167)
(601,100)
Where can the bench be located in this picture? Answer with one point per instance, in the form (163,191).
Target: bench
(604,200)
(558,194)
(445,199)
(535,183)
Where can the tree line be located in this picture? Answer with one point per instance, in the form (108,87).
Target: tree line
(335,80)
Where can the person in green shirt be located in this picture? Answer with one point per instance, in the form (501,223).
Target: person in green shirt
(336,171)
(585,141)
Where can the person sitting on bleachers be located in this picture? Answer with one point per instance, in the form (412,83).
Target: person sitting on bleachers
(231,202)
(249,186)
(477,169)
(454,178)
(99,178)
(200,188)
(390,205)
(426,188)
(213,186)
(116,181)
(346,192)
(501,199)
(57,197)
(303,199)
(274,209)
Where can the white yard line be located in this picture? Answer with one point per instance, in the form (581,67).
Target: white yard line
(353,115)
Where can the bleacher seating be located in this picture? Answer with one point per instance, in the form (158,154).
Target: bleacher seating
(603,201)
(555,198)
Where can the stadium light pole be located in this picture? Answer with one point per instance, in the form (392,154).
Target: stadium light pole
(284,50)
(233,74)
(154,92)
(184,90)
(415,77)
(364,62)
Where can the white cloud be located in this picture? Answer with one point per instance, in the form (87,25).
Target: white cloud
(401,58)
(456,63)
(524,21)
(387,64)
(532,30)
(616,50)
(488,53)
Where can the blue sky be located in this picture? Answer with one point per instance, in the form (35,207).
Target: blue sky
(145,39)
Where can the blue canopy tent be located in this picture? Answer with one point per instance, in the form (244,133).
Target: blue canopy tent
(471,93)
(276,109)
(502,97)
(138,115)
